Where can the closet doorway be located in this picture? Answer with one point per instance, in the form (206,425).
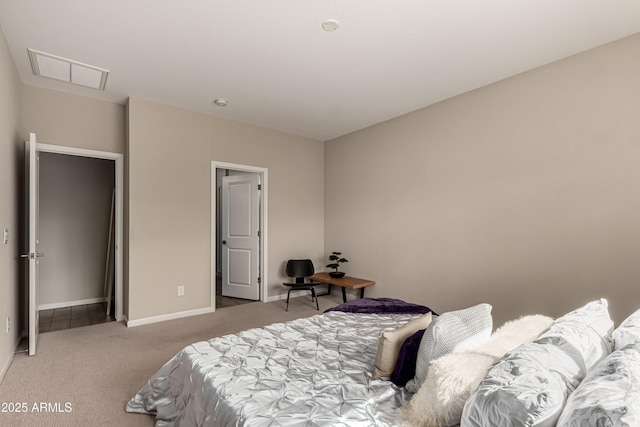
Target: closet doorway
(80,231)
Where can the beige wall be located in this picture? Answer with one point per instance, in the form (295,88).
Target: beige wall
(60,118)
(170,152)
(524,194)
(10,144)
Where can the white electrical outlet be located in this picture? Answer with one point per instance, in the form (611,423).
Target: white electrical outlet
(5,236)
(180,291)
(8,324)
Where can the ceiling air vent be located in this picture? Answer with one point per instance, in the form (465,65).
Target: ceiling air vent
(66,70)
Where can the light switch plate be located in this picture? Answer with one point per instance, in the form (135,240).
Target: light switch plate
(5,236)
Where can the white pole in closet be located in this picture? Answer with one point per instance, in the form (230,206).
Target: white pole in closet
(108,270)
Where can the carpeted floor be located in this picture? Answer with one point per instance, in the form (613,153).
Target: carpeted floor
(85,376)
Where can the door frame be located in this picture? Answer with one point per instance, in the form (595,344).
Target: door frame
(118,159)
(263,207)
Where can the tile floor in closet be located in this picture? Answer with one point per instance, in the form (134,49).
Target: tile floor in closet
(57,319)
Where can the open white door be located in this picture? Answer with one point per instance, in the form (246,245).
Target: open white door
(240,236)
(32,184)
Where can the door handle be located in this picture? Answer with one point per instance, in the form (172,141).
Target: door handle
(32,256)
(224,242)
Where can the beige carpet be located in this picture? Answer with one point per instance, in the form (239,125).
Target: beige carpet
(85,376)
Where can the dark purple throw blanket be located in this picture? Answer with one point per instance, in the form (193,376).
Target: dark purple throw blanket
(380,305)
(405,368)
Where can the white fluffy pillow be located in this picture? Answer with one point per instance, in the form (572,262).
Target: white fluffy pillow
(448,332)
(453,378)
(390,342)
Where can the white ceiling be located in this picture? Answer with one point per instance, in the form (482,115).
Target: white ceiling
(279,69)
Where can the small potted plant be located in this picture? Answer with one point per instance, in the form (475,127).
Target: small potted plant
(336,259)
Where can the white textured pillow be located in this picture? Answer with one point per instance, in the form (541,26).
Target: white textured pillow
(448,332)
(530,385)
(609,395)
(584,334)
(390,342)
(628,333)
(453,378)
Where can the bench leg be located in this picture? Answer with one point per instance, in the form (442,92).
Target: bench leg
(344,295)
(329,285)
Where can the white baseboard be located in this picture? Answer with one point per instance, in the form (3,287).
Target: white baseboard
(7,364)
(70,303)
(5,368)
(284,296)
(164,317)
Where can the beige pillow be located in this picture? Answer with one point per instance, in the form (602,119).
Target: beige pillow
(390,342)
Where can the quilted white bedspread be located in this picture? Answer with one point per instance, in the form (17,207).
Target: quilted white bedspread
(312,372)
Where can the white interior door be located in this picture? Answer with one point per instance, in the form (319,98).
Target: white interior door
(32,184)
(240,236)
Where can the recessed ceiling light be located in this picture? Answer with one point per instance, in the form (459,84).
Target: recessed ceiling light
(221,102)
(66,70)
(330,25)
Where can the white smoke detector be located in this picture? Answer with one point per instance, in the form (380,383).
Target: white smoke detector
(330,25)
(221,102)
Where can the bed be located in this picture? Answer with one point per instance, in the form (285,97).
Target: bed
(311,371)
(321,371)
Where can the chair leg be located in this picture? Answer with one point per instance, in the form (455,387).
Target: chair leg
(288,294)
(313,294)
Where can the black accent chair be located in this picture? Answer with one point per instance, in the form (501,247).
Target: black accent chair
(301,268)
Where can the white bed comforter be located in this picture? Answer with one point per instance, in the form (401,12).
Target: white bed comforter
(308,372)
